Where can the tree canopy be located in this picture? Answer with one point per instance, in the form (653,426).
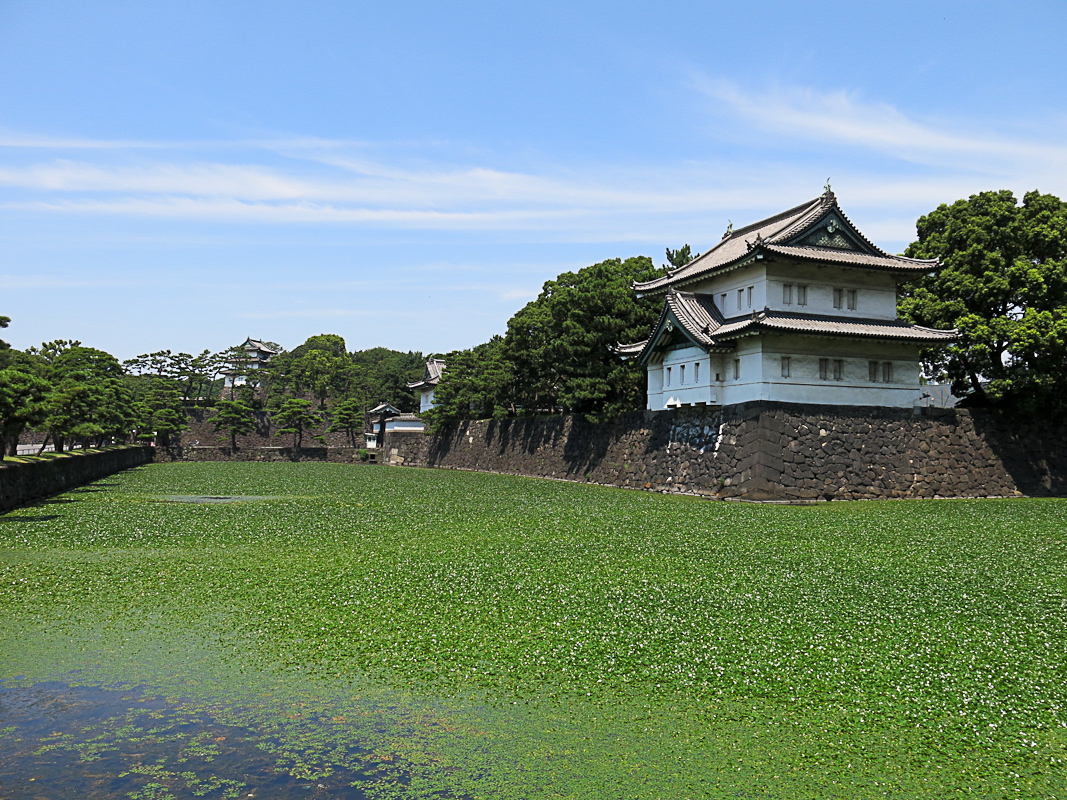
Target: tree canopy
(557,355)
(681,256)
(1003,284)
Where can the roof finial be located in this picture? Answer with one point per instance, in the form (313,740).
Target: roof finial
(729,229)
(828,190)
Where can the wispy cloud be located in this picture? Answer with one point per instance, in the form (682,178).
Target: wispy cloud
(844,118)
(900,163)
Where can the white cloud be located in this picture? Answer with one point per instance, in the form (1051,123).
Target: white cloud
(843,118)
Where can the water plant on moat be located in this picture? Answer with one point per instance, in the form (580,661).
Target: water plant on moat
(518,638)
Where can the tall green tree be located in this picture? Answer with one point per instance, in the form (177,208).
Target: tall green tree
(347,418)
(479,382)
(680,257)
(23,398)
(560,345)
(165,414)
(89,401)
(1003,285)
(235,419)
(294,417)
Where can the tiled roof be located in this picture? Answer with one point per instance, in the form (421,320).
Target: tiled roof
(258,345)
(833,326)
(851,257)
(697,315)
(701,320)
(432,374)
(778,235)
(385,408)
(629,350)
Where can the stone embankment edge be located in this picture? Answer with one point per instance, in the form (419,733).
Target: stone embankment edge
(23,483)
(775,452)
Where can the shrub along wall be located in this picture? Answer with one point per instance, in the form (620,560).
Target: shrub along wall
(23,483)
(780,451)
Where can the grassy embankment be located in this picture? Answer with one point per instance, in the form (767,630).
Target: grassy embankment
(507,637)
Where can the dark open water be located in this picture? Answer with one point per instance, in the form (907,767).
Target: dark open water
(63,742)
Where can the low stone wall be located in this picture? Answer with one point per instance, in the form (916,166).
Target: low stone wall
(201,453)
(24,483)
(766,451)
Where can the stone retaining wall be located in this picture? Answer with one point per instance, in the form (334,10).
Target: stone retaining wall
(201,453)
(776,451)
(24,483)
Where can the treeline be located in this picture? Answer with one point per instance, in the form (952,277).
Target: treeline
(557,354)
(77,395)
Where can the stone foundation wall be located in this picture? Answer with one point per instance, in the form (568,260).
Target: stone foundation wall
(766,451)
(24,483)
(404,447)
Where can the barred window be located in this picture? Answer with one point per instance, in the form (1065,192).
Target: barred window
(824,369)
(696,372)
(737,369)
(839,369)
(839,298)
(786,364)
(802,295)
(787,294)
(887,371)
(851,299)
(872,371)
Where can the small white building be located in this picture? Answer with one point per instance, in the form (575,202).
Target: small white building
(426,387)
(797,308)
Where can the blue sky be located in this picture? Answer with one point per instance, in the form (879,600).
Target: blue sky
(185,174)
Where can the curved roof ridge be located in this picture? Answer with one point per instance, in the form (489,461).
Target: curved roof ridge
(798,211)
(813,209)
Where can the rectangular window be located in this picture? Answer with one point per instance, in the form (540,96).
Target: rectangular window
(696,372)
(872,371)
(887,371)
(787,294)
(740,298)
(722,302)
(839,298)
(785,366)
(668,381)
(681,375)
(737,369)
(824,369)
(802,295)
(851,299)
(839,369)
(750,297)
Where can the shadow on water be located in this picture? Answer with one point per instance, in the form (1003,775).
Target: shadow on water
(29,517)
(63,740)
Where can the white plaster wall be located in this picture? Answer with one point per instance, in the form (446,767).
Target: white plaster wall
(876,292)
(855,388)
(750,384)
(694,390)
(754,276)
(404,425)
(426,401)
